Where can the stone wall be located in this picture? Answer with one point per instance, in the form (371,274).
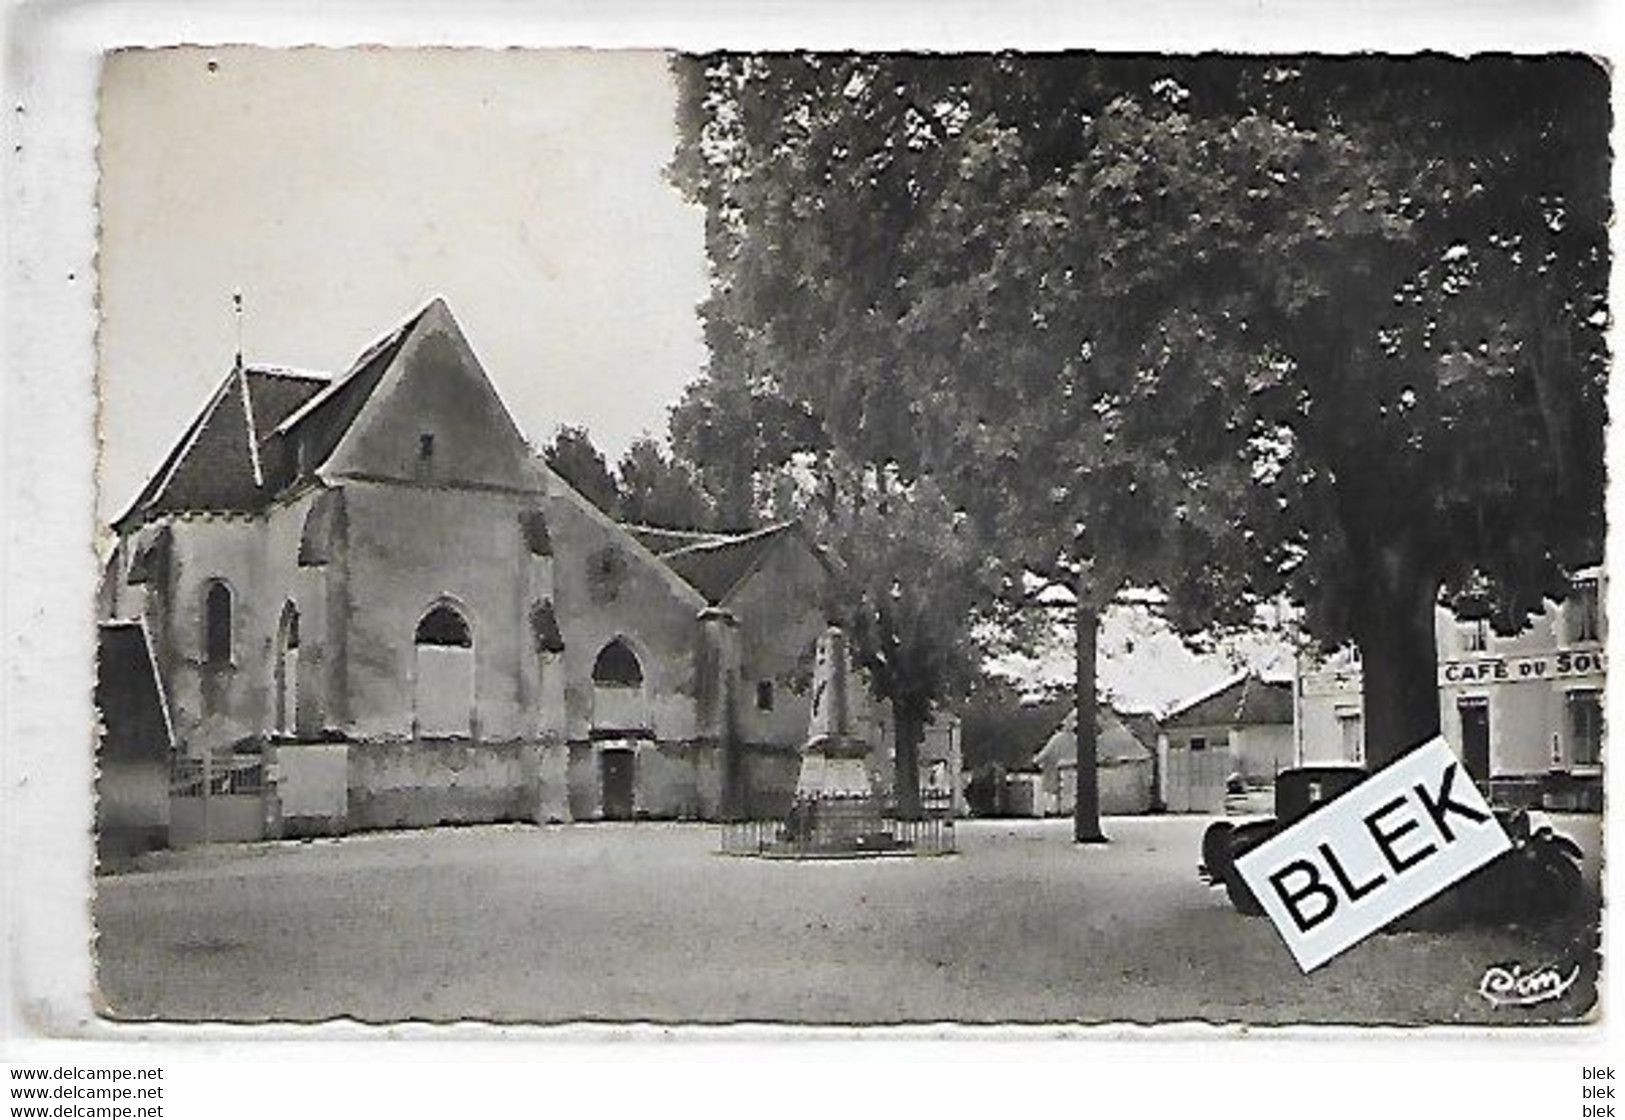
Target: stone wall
(607,588)
(421,784)
(410,549)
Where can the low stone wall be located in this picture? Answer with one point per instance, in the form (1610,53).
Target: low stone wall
(227,818)
(679,781)
(312,783)
(424,783)
(671,780)
(420,784)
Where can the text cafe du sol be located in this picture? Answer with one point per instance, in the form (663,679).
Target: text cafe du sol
(1535,667)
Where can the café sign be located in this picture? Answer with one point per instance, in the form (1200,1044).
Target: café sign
(1527,667)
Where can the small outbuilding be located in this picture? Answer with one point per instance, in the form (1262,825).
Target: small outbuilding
(1248,721)
(1125,762)
(1239,733)
(136,743)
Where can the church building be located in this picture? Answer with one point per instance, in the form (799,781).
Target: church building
(375,584)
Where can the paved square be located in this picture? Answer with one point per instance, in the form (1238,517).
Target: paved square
(646,922)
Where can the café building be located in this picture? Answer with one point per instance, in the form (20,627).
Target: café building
(1524,712)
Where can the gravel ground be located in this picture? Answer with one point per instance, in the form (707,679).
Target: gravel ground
(646,922)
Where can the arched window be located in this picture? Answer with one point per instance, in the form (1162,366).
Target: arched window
(443,626)
(217,623)
(287,670)
(617,667)
(444,674)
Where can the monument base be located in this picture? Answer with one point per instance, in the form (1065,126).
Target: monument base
(834,768)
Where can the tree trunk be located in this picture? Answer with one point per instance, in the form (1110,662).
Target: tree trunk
(906,768)
(1086,813)
(1399,654)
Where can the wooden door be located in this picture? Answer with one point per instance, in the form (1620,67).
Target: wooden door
(618,772)
(1475,739)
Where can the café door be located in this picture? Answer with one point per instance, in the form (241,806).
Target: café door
(1475,738)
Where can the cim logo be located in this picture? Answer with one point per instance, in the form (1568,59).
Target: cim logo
(1513,987)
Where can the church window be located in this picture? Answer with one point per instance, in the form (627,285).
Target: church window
(764,695)
(217,623)
(443,626)
(617,666)
(426,445)
(287,670)
(444,669)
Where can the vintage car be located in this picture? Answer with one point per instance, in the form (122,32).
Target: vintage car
(1539,876)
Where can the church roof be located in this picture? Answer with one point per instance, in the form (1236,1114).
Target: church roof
(318,426)
(714,568)
(1248,700)
(129,692)
(219,464)
(660,540)
(264,429)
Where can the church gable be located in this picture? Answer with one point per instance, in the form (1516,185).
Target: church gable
(434,417)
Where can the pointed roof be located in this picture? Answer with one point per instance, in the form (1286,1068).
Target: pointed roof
(714,568)
(1245,701)
(265,429)
(1116,741)
(317,427)
(129,692)
(219,463)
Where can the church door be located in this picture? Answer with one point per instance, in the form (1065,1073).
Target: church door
(618,769)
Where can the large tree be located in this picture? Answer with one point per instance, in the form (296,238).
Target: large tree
(1232,327)
(951,284)
(575,458)
(910,590)
(657,489)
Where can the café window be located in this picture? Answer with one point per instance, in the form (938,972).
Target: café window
(1585,726)
(1475,635)
(1582,612)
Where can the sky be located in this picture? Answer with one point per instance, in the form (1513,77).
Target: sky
(340,191)
(1144,666)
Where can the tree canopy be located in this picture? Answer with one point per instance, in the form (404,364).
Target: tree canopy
(576,459)
(1236,328)
(647,487)
(656,489)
